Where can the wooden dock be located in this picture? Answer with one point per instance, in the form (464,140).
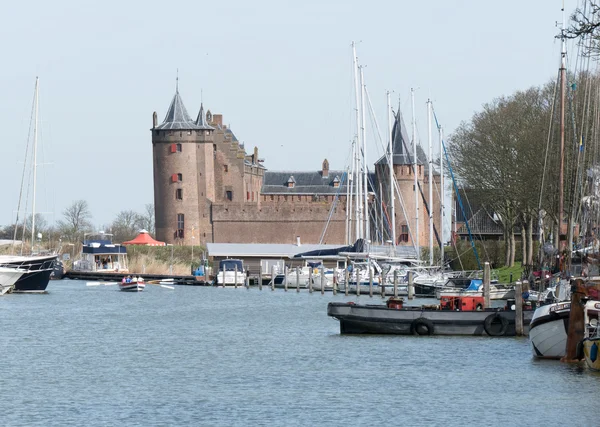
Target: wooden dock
(117,277)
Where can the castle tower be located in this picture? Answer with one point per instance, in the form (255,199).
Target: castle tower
(179,153)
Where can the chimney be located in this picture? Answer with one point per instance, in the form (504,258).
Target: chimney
(298,241)
(154,120)
(325,170)
(255,158)
(217,120)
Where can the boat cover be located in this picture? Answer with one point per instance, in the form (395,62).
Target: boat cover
(358,246)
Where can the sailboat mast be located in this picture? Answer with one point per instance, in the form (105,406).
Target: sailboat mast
(35,136)
(430,178)
(357,218)
(348,204)
(563,71)
(366,227)
(391,169)
(416,173)
(442,194)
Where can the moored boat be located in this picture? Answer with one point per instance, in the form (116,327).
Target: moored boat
(231,273)
(453,316)
(38,269)
(8,277)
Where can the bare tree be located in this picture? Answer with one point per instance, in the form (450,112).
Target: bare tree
(146,220)
(125,226)
(77,220)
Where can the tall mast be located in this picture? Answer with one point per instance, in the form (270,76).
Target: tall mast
(563,70)
(35,135)
(348,204)
(366,228)
(416,173)
(430,177)
(358,217)
(442,195)
(391,169)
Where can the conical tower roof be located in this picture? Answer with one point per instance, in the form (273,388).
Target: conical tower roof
(399,140)
(177,117)
(201,120)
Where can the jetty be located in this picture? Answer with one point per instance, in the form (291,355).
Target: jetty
(117,277)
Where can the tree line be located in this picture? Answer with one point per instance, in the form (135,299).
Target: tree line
(76,220)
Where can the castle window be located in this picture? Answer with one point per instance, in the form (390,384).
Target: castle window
(299,198)
(180,134)
(180,226)
(179,177)
(285,198)
(404,234)
(214,150)
(179,148)
(247,195)
(229,195)
(179,194)
(225,168)
(272,197)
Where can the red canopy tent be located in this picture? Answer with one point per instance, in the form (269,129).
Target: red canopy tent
(144,239)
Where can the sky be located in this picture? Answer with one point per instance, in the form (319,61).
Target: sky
(280,72)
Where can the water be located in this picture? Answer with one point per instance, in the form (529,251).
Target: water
(96,356)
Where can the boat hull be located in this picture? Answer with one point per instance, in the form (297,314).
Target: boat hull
(548,330)
(37,271)
(591,353)
(132,287)
(379,319)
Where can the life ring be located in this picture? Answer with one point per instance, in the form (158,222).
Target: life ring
(490,325)
(421,326)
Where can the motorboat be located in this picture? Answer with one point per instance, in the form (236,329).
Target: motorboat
(590,346)
(475,288)
(231,273)
(37,270)
(100,255)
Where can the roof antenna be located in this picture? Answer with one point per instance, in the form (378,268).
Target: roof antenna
(177,82)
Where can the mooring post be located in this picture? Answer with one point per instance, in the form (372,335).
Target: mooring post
(248,281)
(223,275)
(411,286)
(486,285)
(285,273)
(357,276)
(382,286)
(310,281)
(334,289)
(235,276)
(370,279)
(322,279)
(297,279)
(260,279)
(272,277)
(395,283)
(518,309)
(346,280)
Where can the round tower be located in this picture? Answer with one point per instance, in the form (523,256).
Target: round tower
(176,162)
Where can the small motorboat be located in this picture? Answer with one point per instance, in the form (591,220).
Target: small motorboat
(132,284)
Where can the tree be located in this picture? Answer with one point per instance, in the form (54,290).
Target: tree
(126,225)
(146,220)
(76,221)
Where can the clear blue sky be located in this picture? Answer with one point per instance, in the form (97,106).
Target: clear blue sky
(279,72)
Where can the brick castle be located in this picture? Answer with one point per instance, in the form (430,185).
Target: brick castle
(208,189)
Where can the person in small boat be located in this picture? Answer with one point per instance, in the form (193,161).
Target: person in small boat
(128,279)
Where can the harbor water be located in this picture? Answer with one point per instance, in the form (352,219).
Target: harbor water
(95,356)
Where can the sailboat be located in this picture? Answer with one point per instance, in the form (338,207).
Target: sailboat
(36,269)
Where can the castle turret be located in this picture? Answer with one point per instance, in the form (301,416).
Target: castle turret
(176,188)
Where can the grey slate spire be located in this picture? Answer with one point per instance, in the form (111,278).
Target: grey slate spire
(201,120)
(177,116)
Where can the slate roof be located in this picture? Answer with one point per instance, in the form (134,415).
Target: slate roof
(399,138)
(201,120)
(177,117)
(481,223)
(305,183)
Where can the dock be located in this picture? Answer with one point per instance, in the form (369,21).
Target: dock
(117,277)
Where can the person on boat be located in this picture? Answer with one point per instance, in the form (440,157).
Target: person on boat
(128,279)
(124,279)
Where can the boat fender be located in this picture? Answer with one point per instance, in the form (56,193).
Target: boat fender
(421,326)
(579,351)
(490,328)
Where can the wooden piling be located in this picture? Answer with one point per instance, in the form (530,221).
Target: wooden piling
(322,280)
(411,286)
(486,285)
(395,283)
(285,280)
(382,287)
(579,290)
(223,276)
(346,280)
(310,281)
(357,274)
(334,289)
(518,309)
(272,277)
(260,279)
(235,276)
(248,281)
(297,279)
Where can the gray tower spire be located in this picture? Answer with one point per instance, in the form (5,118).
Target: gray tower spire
(177,116)
(201,122)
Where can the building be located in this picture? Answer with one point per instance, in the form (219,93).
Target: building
(207,189)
